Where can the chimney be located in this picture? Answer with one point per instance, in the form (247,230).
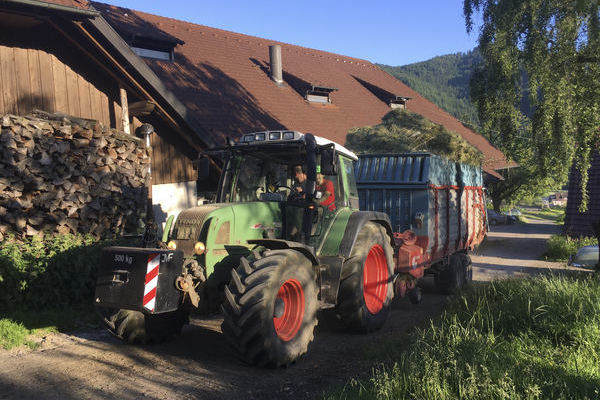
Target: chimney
(276,68)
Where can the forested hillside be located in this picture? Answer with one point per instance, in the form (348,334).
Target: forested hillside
(444,80)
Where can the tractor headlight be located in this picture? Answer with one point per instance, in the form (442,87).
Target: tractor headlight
(172,245)
(199,248)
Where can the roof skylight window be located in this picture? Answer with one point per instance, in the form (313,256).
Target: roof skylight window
(399,102)
(320,94)
(150,53)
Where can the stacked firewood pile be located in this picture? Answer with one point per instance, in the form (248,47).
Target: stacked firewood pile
(60,174)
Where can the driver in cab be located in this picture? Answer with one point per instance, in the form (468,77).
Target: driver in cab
(299,186)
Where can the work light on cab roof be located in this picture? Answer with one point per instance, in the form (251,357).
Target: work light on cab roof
(270,136)
(262,137)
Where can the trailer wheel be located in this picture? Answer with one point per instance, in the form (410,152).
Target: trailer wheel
(270,310)
(366,283)
(457,274)
(135,327)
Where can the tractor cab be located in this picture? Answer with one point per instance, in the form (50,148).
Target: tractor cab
(299,173)
(283,239)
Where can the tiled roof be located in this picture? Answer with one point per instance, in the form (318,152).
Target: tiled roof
(82,4)
(223,79)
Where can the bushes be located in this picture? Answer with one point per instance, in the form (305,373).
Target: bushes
(50,273)
(561,247)
(512,339)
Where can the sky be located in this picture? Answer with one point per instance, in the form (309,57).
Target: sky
(388,32)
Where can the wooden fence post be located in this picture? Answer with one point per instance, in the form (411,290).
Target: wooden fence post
(124,110)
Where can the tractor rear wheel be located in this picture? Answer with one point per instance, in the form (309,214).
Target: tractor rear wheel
(366,283)
(457,274)
(270,310)
(135,327)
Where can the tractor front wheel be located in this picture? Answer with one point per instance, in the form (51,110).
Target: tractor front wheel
(270,310)
(135,327)
(366,283)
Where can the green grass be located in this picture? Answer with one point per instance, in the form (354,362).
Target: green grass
(533,338)
(38,274)
(521,219)
(556,214)
(561,247)
(13,334)
(25,328)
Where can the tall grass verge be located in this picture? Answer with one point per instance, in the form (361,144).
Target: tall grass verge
(561,247)
(533,338)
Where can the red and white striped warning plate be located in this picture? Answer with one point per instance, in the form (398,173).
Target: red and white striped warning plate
(151,281)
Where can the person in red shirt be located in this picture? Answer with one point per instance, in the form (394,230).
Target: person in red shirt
(325,186)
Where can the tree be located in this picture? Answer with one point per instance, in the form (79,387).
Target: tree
(403,131)
(519,183)
(443,80)
(545,53)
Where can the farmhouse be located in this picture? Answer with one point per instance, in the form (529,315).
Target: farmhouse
(194,84)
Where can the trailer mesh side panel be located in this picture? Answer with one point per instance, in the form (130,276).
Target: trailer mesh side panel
(413,187)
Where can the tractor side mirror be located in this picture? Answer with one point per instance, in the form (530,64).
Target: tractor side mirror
(203,168)
(328,164)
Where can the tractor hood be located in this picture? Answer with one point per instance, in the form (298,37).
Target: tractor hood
(189,223)
(197,215)
(222,226)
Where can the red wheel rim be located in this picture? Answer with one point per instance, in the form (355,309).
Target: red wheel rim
(375,279)
(292,295)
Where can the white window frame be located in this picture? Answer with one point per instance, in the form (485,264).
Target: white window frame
(149,53)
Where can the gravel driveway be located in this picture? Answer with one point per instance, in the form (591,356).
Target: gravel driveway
(515,250)
(201,365)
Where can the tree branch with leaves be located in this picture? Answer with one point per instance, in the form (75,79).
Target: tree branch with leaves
(544,52)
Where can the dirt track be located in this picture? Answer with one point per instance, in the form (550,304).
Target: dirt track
(201,365)
(514,250)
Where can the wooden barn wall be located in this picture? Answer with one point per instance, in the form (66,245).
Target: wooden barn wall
(41,69)
(172,160)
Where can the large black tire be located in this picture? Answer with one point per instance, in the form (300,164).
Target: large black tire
(456,275)
(135,327)
(366,288)
(270,308)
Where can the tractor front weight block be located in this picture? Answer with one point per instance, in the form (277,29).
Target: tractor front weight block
(139,279)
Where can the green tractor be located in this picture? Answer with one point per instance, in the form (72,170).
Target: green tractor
(284,239)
